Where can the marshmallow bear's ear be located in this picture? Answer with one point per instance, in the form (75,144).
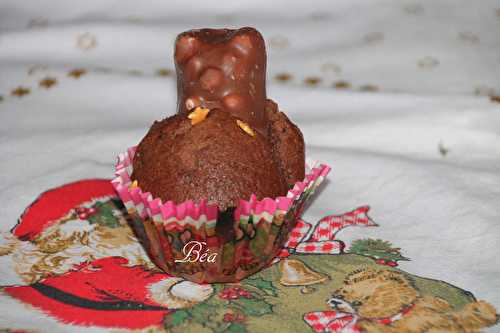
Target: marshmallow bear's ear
(246,40)
(185,47)
(241,45)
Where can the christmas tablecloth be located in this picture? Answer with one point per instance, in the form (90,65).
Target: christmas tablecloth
(401,98)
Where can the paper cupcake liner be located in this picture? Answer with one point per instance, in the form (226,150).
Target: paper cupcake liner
(182,238)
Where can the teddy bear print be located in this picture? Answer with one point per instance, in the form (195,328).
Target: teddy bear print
(388,301)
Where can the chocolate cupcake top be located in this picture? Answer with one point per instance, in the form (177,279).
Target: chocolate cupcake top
(214,160)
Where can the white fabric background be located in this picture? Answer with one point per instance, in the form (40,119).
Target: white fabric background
(433,64)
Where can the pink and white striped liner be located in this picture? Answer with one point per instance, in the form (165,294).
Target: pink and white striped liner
(178,215)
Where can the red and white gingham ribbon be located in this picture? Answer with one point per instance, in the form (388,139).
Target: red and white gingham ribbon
(328,227)
(326,247)
(341,322)
(322,239)
(331,322)
(297,235)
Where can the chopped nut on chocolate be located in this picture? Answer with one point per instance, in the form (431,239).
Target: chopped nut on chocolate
(134,184)
(198,115)
(244,126)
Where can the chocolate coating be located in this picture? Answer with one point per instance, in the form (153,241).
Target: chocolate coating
(224,69)
(214,160)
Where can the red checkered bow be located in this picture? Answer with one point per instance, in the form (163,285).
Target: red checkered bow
(331,322)
(322,239)
(328,227)
(341,322)
(296,236)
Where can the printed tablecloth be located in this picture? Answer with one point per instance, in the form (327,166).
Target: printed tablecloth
(401,98)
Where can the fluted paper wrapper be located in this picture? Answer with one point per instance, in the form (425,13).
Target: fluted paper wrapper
(198,242)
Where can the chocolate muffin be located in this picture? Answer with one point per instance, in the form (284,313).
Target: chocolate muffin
(227,140)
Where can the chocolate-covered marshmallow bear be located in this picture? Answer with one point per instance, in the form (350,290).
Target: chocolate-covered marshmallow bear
(223,69)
